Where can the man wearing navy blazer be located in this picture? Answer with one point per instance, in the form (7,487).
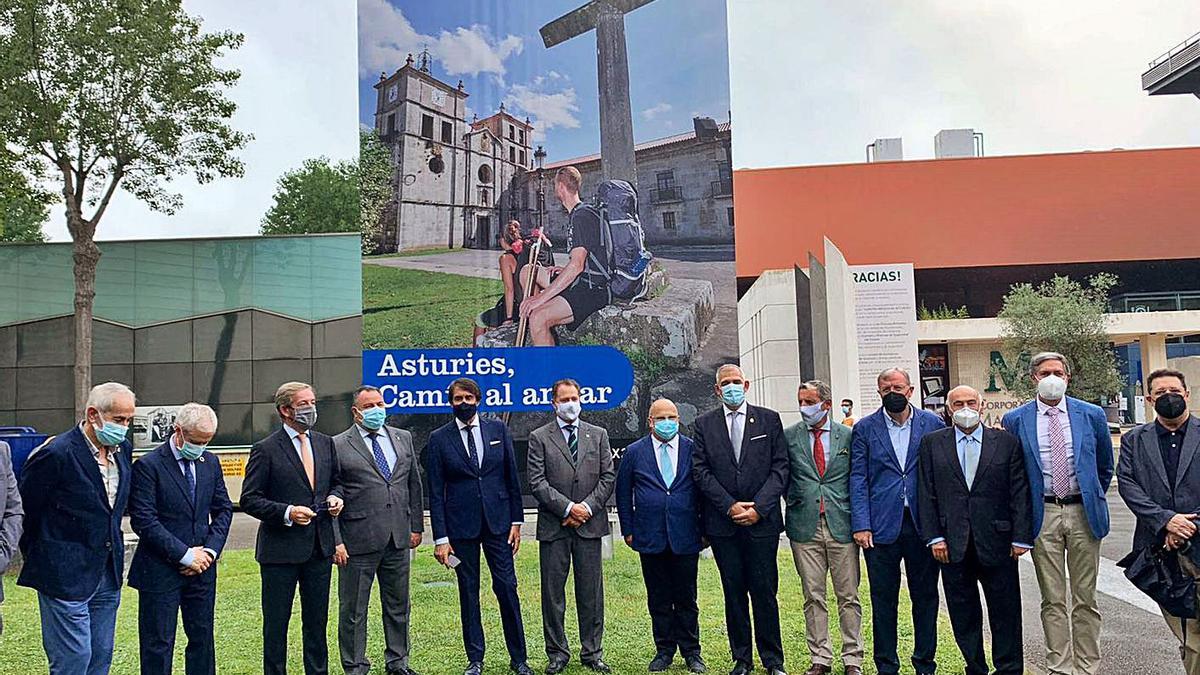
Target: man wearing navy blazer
(180,510)
(740,464)
(659,510)
(474,504)
(75,488)
(1069,459)
(292,487)
(884,517)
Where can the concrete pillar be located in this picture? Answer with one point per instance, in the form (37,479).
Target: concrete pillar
(616,116)
(1153,348)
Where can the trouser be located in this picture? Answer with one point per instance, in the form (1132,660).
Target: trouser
(750,575)
(1066,548)
(1187,632)
(355,580)
(556,558)
(158,613)
(279,582)
(883,570)
(816,560)
(504,584)
(78,634)
(1002,589)
(671,599)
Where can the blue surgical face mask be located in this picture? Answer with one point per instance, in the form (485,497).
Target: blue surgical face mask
(110,433)
(813,414)
(665,430)
(733,394)
(373,418)
(191,451)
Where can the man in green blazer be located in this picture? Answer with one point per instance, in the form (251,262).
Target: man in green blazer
(818,525)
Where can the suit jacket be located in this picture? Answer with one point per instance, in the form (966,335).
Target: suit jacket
(274,480)
(72,535)
(1144,484)
(169,521)
(11,513)
(806,488)
(993,513)
(878,483)
(760,476)
(1093,451)
(466,500)
(660,517)
(556,481)
(377,511)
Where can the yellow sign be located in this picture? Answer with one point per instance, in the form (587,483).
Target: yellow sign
(233,466)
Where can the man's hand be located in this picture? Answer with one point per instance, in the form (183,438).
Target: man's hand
(335,505)
(1018,551)
(629,540)
(529,305)
(580,512)
(748,516)
(442,553)
(414,539)
(736,510)
(864,539)
(941,552)
(302,515)
(514,538)
(340,556)
(1181,526)
(1172,542)
(571,521)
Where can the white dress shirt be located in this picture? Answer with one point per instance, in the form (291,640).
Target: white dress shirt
(961,443)
(900,434)
(1044,453)
(385,443)
(110,472)
(672,453)
(295,436)
(562,426)
(478,435)
(729,417)
(826,438)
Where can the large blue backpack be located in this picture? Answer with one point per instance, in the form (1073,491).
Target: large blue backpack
(623,260)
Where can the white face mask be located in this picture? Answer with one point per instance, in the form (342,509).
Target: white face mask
(1051,388)
(813,414)
(568,411)
(966,418)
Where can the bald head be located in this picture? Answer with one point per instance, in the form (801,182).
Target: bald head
(963,396)
(663,408)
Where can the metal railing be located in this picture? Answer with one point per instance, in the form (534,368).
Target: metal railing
(722,188)
(665,195)
(1184,52)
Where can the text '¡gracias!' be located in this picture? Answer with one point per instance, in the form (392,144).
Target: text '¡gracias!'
(511,379)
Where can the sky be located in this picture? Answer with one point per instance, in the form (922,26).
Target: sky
(296,96)
(678,63)
(814,82)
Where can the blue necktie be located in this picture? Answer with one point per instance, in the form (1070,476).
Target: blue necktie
(380,460)
(191,477)
(668,471)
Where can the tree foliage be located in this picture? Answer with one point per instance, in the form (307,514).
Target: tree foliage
(376,173)
(24,207)
(318,197)
(1065,316)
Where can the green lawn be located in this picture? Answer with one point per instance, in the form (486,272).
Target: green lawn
(436,632)
(405,309)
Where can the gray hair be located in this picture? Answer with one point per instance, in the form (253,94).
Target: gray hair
(1042,357)
(287,391)
(196,417)
(103,397)
(730,366)
(820,387)
(888,372)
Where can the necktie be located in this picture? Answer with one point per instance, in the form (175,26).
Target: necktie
(572,443)
(380,460)
(735,434)
(664,461)
(306,458)
(191,477)
(472,449)
(1060,472)
(819,458)
(970,459)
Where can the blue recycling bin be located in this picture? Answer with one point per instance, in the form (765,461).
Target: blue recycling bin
(22,441)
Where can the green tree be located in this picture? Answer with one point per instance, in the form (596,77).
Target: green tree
(376,173)
(1065,316)
(24,208)
(108,94)
(941,313)
(318,197)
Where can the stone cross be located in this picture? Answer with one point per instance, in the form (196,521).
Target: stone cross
(607,18)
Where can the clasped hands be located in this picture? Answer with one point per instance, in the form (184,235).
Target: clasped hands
(578,516)
(744,513)
(1180,528)
(201,561)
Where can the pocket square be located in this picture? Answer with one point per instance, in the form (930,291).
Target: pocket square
(758,437)
(494,443)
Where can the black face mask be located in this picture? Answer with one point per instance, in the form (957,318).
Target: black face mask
(1170,406)
(894,402)
(465,412)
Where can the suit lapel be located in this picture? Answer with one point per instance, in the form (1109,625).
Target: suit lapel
(82,450)
(176,472)
(402,452)
(916,425)
(290,450)
(749,427)
(950,455)
(1029,436)
(1079,425)
(987,453)
(885,439)
(683,462)
(556,438)
(1154,454)
(1191,441)
(360,445)
(804,443)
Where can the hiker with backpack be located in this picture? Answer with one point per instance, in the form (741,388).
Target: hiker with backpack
(518,251)
(607,258)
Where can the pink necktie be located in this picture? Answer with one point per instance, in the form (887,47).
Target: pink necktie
(1060,477)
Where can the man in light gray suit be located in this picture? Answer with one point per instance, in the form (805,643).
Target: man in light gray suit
(11,515)
(383,518)
(571,475)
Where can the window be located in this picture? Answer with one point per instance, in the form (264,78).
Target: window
(485,174)
(665,179)
(669,220)
(512,132)
(512,154)
(730,210)
(447,132)
(522,136)
(523,158)
(391,124)
(483,196)
(427,126)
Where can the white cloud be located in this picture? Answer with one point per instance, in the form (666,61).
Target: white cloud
(386,38)
(547,109)
(649,114)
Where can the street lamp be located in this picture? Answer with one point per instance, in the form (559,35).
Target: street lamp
(539,159)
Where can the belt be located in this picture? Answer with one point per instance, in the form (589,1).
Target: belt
(1063,501)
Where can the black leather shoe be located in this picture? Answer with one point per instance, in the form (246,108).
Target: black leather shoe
(598,666)
(695,664)
(661,662)
(555,667)
(776,671)
(402,671)
(522,669)
(474,668)
(741,669)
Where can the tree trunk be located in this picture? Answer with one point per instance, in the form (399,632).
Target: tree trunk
(86,255)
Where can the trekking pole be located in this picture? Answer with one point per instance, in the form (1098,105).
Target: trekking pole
(522,324)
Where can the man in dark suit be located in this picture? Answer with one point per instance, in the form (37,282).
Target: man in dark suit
(474,504)
(1159,480)
(740,465)
(571,475)
(180,510)
(659,508)
(884,516)
(974,506)
(11,515)
(292,487)
(75,488)
(381,483)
